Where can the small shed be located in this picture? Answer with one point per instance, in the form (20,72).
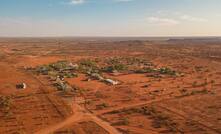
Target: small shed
(112,82)
(21,86)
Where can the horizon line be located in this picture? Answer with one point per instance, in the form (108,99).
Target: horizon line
(135,36)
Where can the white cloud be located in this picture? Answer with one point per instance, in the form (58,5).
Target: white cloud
(162,21)
(124,0)
(169,18)
(191,18)
(76,2)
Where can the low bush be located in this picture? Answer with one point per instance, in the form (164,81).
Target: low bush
(115,67)
(166,70)
(5,103)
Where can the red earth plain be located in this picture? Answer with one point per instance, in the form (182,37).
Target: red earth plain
(110,86)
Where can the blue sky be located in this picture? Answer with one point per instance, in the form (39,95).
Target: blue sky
(110,17)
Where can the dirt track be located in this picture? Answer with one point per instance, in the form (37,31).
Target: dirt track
(79,115)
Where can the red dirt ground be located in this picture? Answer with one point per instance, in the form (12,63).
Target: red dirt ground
(140,104)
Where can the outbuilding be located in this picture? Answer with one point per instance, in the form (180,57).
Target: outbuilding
(21,86)
(112,82)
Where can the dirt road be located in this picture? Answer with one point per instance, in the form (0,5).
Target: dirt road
(79,114)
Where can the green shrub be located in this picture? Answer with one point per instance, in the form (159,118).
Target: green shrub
(117,67)
(59,65)
(145,70)
(166,70)
(88,66)
(5,103)
(88,63)
(101,106)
